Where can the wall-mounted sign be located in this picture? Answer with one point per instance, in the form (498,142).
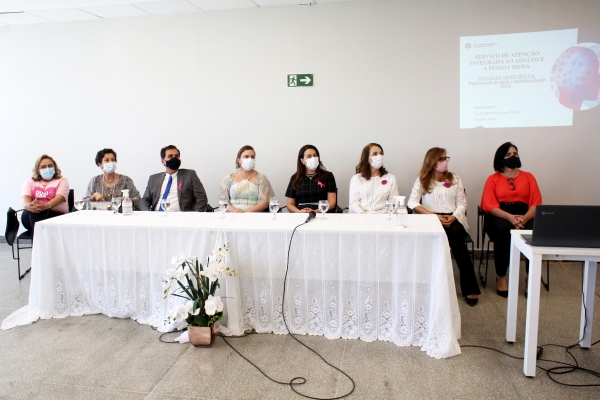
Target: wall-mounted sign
(300,80)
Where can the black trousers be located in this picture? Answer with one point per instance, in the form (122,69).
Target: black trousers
(29,219)
(498,229)
(456,238)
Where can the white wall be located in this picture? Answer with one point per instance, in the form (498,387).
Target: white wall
(385,71)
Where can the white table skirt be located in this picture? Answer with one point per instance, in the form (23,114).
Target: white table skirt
(350,276)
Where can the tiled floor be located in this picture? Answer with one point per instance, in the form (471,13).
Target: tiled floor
(98,357)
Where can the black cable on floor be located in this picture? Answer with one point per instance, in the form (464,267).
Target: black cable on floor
(299,380)
(160,338)
(560,370)
(166,333)
(564,368)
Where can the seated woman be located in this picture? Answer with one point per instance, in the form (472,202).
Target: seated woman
(372,185)
(311,183)
(45,194)
(109,184)
(509,200)
(439,191)
(246,189)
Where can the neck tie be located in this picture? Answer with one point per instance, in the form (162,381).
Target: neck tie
(167,189)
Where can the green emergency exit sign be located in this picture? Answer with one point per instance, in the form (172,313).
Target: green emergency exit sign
(300,80)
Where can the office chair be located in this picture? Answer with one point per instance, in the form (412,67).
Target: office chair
(480,222)
(13,238)
(482,234)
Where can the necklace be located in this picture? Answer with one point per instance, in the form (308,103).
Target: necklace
(310,176)
(113,179)
(246,179)
(110,192)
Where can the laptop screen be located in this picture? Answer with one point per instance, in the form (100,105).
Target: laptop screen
(566,226)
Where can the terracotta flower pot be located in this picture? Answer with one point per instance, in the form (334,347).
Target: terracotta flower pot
(202,336)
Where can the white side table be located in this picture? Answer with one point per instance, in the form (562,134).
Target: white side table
(536,254)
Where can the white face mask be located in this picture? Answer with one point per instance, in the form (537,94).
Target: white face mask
(376,162)
(312,163)
(110,167)
(248,163)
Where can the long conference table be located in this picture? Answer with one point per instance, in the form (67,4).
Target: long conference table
(350,276)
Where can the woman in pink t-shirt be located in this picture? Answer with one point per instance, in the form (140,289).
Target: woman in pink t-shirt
(44,194)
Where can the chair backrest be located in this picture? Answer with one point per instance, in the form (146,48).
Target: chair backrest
(480,229)
(337,209)
(12,226)
(71,200)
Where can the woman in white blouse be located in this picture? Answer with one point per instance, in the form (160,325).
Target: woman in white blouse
(246,189)
(372,185)
(439,191)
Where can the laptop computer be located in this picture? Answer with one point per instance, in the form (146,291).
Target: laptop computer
(565,226)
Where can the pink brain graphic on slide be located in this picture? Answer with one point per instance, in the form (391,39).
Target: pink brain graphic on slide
(575,77)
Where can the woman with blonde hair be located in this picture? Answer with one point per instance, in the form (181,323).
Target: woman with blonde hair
(439,191)
(45,194)
(246,189)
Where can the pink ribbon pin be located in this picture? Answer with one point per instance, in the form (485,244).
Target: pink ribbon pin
(179,186)
(321,184)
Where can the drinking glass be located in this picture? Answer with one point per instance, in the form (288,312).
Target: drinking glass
(116,203)
(223,206)
(78,203)
(389,208)
(323,207)
(274,207)
(165,204)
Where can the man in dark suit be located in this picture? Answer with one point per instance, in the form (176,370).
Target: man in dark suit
(181,187)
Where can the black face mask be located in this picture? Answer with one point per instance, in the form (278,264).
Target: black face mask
(512,162)
(173,163)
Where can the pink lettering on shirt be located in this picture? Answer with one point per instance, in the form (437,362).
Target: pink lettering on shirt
(43,195)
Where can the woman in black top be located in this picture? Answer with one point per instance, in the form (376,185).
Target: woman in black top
(311,183)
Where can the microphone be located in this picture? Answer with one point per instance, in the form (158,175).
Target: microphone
(311,215)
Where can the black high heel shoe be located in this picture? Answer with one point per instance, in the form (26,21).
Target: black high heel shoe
(471,302)
(501,293)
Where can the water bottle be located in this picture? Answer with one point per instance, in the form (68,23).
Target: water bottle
(127,205)
(401,212)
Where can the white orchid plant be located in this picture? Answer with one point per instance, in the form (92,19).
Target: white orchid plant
(197,284)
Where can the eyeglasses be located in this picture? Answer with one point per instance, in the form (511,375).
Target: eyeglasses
(442,159)
(511,183)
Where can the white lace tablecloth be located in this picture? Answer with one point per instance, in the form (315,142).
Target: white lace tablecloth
(350,276)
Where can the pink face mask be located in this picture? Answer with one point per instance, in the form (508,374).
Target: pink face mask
(441,166)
